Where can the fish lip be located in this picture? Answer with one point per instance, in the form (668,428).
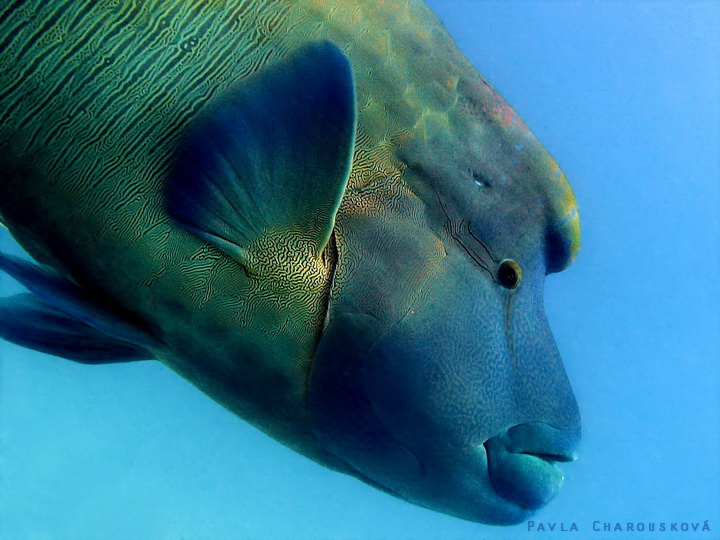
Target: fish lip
(523,470)
(516,488)
(543,440)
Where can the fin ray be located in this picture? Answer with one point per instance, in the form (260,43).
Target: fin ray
(28,321)
(68,298)
(272,151)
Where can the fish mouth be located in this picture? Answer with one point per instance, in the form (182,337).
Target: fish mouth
(522,462)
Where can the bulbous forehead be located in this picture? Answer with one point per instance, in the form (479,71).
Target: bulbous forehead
(422,101)
(479,161)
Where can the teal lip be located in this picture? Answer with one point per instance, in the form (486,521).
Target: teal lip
(528,480)
(522,462)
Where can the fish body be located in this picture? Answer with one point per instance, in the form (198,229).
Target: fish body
(377,304)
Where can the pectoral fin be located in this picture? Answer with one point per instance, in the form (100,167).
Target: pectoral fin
(28,321)
(271,153)
(63,319)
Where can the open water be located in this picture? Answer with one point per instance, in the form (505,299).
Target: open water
(626,96)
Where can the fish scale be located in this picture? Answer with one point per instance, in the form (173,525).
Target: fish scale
(100,102)
(89,115)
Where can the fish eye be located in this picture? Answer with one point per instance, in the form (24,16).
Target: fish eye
(509,274)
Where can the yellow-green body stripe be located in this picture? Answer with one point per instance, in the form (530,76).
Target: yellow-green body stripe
(94,95)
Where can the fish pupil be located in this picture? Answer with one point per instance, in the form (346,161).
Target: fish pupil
(508,274)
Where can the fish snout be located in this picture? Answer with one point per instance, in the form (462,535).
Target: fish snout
(522,462)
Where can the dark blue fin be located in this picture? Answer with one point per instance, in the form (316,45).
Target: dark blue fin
(272,152)
(59,303)
(28,321)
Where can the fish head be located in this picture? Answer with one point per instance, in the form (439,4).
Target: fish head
(437,378)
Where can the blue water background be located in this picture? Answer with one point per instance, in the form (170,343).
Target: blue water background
(626,96)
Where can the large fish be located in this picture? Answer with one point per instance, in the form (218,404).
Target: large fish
(316,211)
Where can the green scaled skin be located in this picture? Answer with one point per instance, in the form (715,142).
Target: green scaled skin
(404,204)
